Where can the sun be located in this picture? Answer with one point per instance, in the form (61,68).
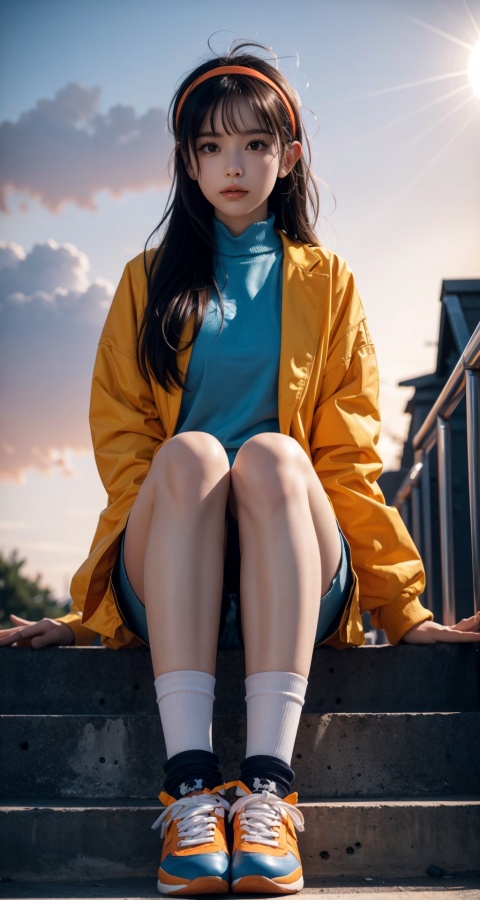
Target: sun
(474,69)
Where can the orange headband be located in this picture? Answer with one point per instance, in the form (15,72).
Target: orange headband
(237,70)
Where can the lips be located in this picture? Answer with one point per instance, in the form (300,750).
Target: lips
(233,190)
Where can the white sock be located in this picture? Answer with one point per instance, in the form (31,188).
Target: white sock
(185,700)
(274,704)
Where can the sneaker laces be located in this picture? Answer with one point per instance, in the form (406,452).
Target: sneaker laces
(261,815)
(196,818)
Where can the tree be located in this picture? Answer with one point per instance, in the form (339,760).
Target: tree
(24,596)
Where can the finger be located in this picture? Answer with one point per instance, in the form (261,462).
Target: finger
(6,632)
(20,620)
(451,635)
(472,623)
(10,634)
(8,637)
(21,633)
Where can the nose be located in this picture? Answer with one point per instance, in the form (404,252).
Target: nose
(234,166)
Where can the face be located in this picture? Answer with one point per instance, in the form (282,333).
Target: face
(237,171)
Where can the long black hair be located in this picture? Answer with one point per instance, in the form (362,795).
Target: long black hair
(180,272)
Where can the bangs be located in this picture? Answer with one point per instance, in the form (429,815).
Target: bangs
(230,112)
(217,98)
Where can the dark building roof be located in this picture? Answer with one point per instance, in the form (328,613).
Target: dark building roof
(459,317)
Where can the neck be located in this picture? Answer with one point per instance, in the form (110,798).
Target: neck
(258,238)
(238,225)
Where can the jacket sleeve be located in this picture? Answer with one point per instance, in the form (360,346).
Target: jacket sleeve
(83,636)
(125,426)
(124,419)
(126,432)
(345,432)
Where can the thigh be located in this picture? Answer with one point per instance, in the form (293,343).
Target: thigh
(332,603)
(276,462)
(326,527)
(133,613)
(183,459)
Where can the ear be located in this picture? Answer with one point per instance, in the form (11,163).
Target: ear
(291,155)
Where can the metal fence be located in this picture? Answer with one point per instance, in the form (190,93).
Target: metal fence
(413,497)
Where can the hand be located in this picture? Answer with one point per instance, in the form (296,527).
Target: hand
(45,633)
(466,630)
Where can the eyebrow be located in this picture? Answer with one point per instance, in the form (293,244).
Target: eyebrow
(204,134)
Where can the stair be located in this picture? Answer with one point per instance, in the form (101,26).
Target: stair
(386,760)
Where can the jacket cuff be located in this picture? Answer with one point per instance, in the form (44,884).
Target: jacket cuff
(398,617)
(83,636)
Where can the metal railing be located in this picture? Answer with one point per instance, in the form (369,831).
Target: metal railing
(413,497)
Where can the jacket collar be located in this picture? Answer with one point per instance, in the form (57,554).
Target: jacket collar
(303,256)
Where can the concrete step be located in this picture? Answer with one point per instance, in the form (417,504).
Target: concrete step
(336,755)
(459,887)
(350,838)
(406,678)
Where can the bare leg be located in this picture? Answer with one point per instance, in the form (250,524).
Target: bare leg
(174,551)
(290,549)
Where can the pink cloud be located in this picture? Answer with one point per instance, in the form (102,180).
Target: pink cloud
(64,150)
(51,316)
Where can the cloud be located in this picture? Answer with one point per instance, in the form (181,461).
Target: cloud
(63,150)
(51,315)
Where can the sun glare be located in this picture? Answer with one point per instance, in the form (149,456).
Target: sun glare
(463,93)
(474,69)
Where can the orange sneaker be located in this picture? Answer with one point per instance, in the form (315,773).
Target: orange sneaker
(195,857)
(265,857)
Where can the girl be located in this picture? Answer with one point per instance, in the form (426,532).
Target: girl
(234,418)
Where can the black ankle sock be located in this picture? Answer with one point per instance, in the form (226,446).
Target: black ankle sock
(267,773)
(192,770)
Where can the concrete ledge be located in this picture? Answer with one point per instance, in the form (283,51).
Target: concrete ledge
(459,887)
(406,678)
(352,839)
(335,755)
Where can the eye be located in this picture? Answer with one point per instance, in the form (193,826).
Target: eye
(208,148)
(257,145)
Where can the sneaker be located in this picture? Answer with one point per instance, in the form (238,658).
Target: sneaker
(195,858)
(265,857)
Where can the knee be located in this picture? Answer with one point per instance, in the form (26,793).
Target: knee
(269,469)
(188,467)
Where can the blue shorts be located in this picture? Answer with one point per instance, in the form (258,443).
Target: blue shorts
(332,604)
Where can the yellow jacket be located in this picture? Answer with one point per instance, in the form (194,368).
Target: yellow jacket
(327,401)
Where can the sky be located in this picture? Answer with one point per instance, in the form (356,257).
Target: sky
(394,124)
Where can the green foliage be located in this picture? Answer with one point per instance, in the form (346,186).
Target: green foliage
(24,596)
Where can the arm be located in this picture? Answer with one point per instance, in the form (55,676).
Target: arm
(127,430)
(345,431)
(124,418)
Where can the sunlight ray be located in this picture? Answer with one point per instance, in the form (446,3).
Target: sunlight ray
(470,15)
(457,16)
(449,37)
(414,112)
(375,218)
(398,87)
(438,122)
(445,147)
(431,162)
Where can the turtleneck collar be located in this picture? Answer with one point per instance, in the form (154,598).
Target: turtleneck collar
(258,238)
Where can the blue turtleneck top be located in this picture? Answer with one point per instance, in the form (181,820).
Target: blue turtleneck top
(232,377)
